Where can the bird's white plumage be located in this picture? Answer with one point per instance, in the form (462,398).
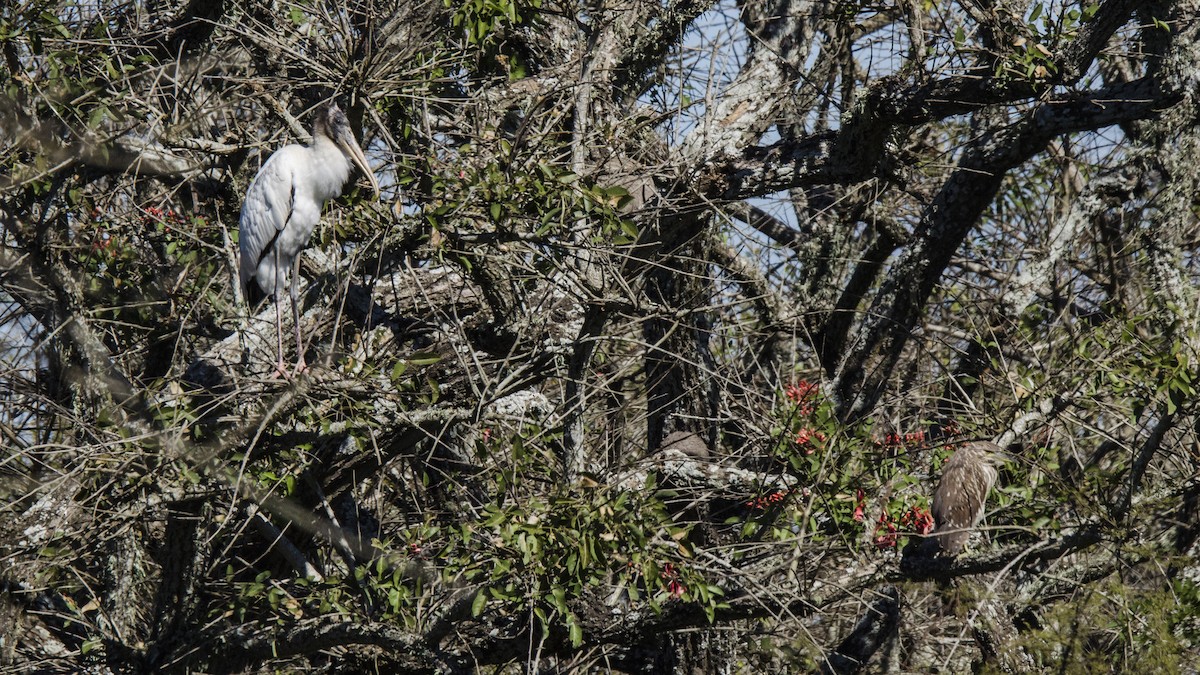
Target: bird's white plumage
(283,206)
(285,201)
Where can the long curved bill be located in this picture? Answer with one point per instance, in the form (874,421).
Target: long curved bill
(346,140)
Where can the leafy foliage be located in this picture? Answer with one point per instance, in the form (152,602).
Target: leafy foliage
(651,355)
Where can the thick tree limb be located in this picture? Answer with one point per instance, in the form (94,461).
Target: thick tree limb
(885,330)
(850,156)
(253,642)
(878,624)
(700,475)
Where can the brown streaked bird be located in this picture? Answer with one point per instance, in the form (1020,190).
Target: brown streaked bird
(688,443)
(958,502)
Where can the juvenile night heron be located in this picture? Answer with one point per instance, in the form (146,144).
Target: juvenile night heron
(283,206)
(958,502)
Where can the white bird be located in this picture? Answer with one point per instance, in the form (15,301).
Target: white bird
(283,206)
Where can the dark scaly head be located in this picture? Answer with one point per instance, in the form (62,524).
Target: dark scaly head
(332,123)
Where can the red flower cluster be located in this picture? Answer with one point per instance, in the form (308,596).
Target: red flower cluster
(761,503)
(800,391)
(888,529)
(917,519)
(156,215)
(808,440)
(803,394)
(670,575)
(894,440)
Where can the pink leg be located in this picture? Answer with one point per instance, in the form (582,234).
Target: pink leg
(295,293)
(280,367)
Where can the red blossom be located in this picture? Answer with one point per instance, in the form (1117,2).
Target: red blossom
(809,440)
(799,392)
(168,217)
(761,503)
(917,519)
(860,501)
(671,575)
(897,440)
(888,537)
(802,394)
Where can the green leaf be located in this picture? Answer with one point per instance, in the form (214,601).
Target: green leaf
(575,631)
(97,116)
(479,603)
(399,369)
(424,358)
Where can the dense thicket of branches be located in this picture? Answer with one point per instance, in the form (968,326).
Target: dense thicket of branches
(646,361)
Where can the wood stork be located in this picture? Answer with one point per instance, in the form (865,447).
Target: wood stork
(283,206)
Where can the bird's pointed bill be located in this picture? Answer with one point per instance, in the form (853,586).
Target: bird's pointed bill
(346,140)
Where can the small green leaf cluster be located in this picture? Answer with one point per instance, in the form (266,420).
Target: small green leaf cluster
(482,20)
(1030,60)
(145,274)
(265,598)
(72,75)
(531,201)
(1122,626)
(1030,56)
(1143,371)
(543,554)
(1066,25)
